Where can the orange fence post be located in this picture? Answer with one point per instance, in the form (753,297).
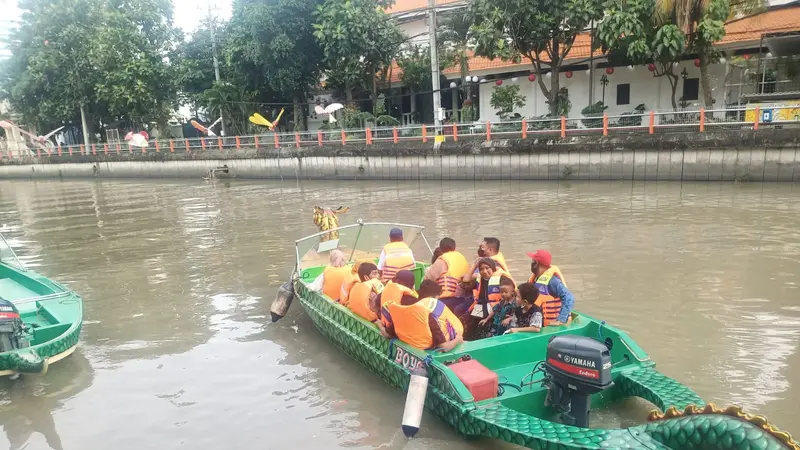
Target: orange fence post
(757,119)
(605,124)
(238,143)
(49,152)
(219,143)
(171,146)
(394,135)
(563,126)
(455,132)
(319,137)
(94,149)
(297,139)
(277,140)
(424,133)
(369,136)
(158,148)
(488,130)
(203,142)
(144,149)
(702,120)
(652,122)
(187,146)
(70,150)
(105,148)
(256,141)
(59,149)
(38,153)
(524,129)
(82,149)
(344,137)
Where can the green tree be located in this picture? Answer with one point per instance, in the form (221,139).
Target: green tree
(359,41)
(630,30)
(272,44)
(196,66)
(542,31)
(505,99)
(703,23)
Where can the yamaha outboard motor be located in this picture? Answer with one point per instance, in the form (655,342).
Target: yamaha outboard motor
(12,330)
(576,367)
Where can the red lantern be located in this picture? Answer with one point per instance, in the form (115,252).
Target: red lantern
(568,74)
(747,57)
(609,70)
(697,62)
(651,67)
(46,42)
(499,82)
(532,77)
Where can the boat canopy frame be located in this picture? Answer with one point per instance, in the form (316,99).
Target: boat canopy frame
(8,255)
(333,234)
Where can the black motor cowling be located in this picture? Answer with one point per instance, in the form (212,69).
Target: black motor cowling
(576,367)
(12,330)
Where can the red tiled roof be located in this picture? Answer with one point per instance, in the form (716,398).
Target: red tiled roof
(412,5)
(747,29)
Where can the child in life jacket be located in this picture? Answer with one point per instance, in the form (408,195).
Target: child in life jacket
(500,316)
(363,299)
(527,315)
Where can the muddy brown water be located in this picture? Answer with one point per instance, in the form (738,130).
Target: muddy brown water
(177,278)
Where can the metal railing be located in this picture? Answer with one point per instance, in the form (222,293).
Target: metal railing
(650,122)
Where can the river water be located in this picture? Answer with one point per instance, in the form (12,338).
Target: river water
(177,278)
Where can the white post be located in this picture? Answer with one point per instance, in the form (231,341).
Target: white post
(84,127)
(216,62)
(437,99)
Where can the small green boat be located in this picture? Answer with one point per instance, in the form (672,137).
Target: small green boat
(524,412)
(40,320)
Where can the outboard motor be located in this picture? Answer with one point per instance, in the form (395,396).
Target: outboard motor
(576,367)
(12,330)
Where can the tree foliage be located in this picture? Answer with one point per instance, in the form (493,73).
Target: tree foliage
(542,31)
(359,41)
(631,30)
(505,99)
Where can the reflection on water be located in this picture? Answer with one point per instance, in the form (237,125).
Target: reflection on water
(177,278)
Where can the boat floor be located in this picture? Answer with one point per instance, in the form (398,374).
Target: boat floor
(11,290)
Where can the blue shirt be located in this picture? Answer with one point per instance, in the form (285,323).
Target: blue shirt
(558,290)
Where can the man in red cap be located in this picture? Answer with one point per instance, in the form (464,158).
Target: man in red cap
(554,298)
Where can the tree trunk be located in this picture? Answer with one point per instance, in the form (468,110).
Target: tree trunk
(296,112)
(349,93)
(374,95)
(705,83)
(553,97)
(673,83)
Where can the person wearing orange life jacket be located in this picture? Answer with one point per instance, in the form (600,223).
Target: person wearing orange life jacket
(489,294)
(349,281)
(363,300)
(554,298)
(448,271)
(330,280)
(422,323)
(395,256)
(402,284)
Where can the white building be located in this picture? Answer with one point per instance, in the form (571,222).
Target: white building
(761,37)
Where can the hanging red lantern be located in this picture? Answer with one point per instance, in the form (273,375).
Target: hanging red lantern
(532,77)
(568,74)
(609,70)
(697,62)
(46,42)
(747,57)
(499,82)
(651,67)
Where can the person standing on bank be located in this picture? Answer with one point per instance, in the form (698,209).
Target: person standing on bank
(554,298)
(395,256)
(447,271)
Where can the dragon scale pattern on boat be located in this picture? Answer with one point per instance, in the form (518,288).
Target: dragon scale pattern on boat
(693,429)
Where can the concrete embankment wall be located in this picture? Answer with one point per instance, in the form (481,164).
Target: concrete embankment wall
(763,155)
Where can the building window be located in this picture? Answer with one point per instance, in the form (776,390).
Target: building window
(623,94)
(691,89)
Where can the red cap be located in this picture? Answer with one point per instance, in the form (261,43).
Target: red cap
(543,257)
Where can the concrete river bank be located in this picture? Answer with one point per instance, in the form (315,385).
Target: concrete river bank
(177,278)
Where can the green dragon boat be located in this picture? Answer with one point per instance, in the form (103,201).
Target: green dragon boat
(40,320)
(520,414)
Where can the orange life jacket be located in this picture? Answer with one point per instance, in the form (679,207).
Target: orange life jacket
(492,290)
(359,299)
(332,278)
(551,306)
(393,292)
(457,267)
(398,256)
(411,322)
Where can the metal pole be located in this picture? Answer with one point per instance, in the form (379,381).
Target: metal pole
(437,99)
(216,62)
(84,127)
(591,67)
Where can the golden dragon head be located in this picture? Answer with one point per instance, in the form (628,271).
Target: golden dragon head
(326,219)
